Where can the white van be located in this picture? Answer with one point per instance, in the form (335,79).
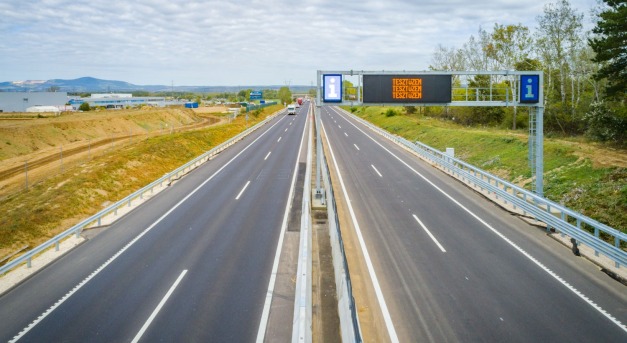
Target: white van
(291,109)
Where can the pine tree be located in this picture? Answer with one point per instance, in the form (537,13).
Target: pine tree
(610,47)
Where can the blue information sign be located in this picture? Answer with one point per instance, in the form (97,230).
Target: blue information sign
(256,95)
(332,88)
(530,89)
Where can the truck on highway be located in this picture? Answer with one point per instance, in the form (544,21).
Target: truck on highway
(291,109)
(299,101)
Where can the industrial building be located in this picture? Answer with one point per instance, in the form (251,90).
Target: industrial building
(21,101)
(118,101)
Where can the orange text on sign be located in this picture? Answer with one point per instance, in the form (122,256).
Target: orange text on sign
(407,88)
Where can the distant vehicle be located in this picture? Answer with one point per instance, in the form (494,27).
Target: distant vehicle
(291,109)
(299,101)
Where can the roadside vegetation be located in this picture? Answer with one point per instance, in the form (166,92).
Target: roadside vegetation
(585,176)
(57,203)
(585,117)
(585,84)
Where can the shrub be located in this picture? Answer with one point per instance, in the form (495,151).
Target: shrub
(410,109)
(84,107)
(606,124)
(390,112)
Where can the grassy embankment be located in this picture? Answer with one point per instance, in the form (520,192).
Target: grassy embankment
(51,206)
(585,177)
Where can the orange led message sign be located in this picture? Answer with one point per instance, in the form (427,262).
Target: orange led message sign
(407,89)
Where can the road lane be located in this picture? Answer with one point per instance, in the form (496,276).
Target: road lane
(227,246)
(482,288)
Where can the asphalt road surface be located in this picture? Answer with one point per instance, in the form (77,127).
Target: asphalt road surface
(446,265)
(192,264)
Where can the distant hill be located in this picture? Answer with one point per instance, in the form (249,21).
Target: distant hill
(83,84)
(91,84)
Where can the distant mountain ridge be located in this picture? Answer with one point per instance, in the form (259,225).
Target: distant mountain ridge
(83,84)
(91,84)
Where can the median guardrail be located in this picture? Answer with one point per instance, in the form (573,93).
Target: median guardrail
(562,219)
(127,201)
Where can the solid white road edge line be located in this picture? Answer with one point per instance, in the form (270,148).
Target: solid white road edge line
(511,243)
(265,314)
(129,244)
(158,308)
(429,233)
(373,275)
(375,169)
(242,191)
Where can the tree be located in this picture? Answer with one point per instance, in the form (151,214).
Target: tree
(141,93)
(84,107)
(270,94)
(349,90)
(447,59)
(606,124)
(285,95)
(560,40)
(610,47)
(475,52)
(510,45)
(244,94)
(560,30)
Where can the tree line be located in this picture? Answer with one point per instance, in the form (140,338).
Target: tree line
(585,73)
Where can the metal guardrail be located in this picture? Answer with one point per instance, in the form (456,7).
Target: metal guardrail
(554,215)
(347,311)
(127,201)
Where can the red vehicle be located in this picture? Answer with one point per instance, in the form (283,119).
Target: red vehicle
(300,101)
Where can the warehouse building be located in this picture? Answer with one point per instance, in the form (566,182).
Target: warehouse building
(21,101)
(118,101)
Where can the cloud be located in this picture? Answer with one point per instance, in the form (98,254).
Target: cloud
(237,42)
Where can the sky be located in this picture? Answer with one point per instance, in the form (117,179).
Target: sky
(240,42)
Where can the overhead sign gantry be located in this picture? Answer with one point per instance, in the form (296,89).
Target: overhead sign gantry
(446,88)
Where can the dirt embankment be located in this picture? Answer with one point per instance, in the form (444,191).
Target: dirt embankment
(32,148)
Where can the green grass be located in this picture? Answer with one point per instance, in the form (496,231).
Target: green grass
(598,192)
(53,205)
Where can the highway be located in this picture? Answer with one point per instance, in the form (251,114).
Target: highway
(192,264)
(433,261)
